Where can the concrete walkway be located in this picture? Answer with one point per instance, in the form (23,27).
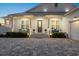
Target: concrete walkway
(38,47)
(39,35)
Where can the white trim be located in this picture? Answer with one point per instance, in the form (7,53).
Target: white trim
(74,20)
(71,11)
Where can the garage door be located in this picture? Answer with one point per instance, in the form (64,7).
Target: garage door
(74,30)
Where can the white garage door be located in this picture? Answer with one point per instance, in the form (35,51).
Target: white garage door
(74,30)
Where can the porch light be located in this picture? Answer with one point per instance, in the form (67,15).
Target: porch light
(67,9)
(45,10)
(50,34)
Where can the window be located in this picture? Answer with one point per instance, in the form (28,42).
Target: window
(27,25)
(7,21)
(22,25)
(55,24)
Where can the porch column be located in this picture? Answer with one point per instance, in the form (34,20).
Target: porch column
(49,26)
(48,22)
(12,24)
(30,28)
(30,22)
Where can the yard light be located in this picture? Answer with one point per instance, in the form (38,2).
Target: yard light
(50,34)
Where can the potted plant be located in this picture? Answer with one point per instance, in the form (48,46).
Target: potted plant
(45,30)
(33,30)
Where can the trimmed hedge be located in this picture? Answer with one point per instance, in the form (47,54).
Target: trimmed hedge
(1,35)
(16,34)
(58,35)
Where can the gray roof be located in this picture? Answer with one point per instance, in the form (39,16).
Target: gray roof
(50,7)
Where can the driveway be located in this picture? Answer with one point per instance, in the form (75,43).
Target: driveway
(38,47)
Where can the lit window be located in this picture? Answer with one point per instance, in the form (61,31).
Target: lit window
(27,24)
(22,25)
(7,21)
(55,24)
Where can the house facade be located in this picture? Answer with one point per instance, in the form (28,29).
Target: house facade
(42,18)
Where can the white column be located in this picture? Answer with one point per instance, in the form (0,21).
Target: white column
(12,24)
(30,27)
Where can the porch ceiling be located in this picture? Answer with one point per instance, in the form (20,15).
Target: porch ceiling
(53,16)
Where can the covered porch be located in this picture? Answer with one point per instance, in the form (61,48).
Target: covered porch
(37,24)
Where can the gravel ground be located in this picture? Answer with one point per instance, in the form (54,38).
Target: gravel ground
(38,47)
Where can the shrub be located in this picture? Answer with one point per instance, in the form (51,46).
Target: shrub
(16,34)
(58,35)
(33,30)
(1,35)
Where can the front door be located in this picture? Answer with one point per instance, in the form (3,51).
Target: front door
(39,25)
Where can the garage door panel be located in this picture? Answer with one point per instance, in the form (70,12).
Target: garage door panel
(75,30)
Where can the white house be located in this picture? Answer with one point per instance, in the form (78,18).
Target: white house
(43,18)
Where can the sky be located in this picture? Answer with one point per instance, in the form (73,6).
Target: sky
(11,8)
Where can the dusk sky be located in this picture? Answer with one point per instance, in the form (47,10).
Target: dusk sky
(11,8)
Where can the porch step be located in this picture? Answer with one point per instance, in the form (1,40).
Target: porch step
(39,35)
